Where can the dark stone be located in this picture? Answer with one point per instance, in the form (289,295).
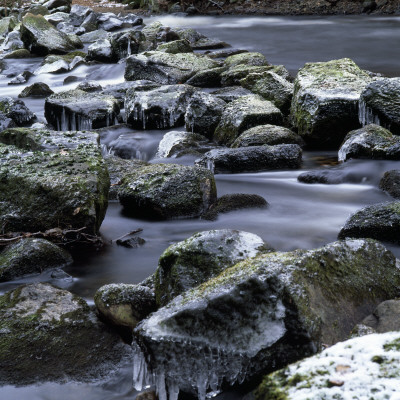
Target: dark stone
(390,183)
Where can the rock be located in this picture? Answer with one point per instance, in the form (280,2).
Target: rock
(101,50)
(131,243)
(264,313)
(249,59)
(21,78)
(7,24)
(390,183)
(13,41)
(372,142)
(207,78)
(245,113)
(52,335)
(89,24)
(385,318)
(149,395)
(72,193)
(231,93)
(16,111)
(175,47)
(325,101)
(21,53)
(177,144)
(233,202)
(77,110)
(31,256)
(224,53)
(109,22)
(160,108)
(204,255)
(54,4)
(165,68)
(380,104)
(209,44)
(330,177)
(93,36)
(124,44)
(189,34)
(90,86)
(125,305)
(379,221)
(360,366)
(58,17)
(204,113)
(267,134)
(40,37)
(78,14)
(270,86)
(38,89)
(163,191)
(250,159)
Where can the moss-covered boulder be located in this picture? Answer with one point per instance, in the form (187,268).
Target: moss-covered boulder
(166,68)
(231,93)
(16,54)
(371,141)
(38,89)
(379,221)
(390,183)
(17,111)
(325,101)
(76,110)
(160,108)
(49,334)
(41,37)
(175,47)
(161,191)
(201,257)
(245,113)
(208,78)
(250,59)
(31,256)
(380,104)
(250,159)
(203,114)
(123,304)
(365,367)
(266,312)
(62,183)
(7,24)
(267,134)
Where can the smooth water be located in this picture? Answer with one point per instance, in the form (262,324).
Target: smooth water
(298,216)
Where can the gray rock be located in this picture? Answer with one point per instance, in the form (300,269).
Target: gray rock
(231,93)
(31,256)
(249,59)
(78,14)
(175,47)
(385,318)
(93,36)
(16,111)
(38,89)
(90,86)
(208,44)
(13,41)
(57,17)
(7,24)
(208,78)
(109,22)
(250,159)
(125,43)
(101,50)
(390,183)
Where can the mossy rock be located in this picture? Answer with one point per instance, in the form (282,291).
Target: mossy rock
(163,191)
(17,111)
(175,47)
(20,53)
(250,59)
(207,78)
(7,24)
(52,335)
(390,183)
(31,256)
(38,89)
(201,257)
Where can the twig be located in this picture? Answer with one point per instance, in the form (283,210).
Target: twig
(215,4)
(128,234)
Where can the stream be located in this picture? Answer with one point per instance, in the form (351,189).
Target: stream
(298,216)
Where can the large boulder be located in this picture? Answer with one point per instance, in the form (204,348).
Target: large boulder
(231,93)
(250,159)
(77,110)
(263,313)
(38,89)
(101,50)
(364,367)
(201,257)
(49,334)
(16,111)
(207,78)
(371,141)
(380,104)
(245,113)
(161,191)
(325,101)
(31,256)
(379,221)
(41,37)
(166,68)
(160,108)
(390,183)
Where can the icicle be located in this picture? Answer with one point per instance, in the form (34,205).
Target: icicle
(129,48)
(366,115)
(210,165)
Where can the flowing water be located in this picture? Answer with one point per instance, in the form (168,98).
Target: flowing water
(298,216)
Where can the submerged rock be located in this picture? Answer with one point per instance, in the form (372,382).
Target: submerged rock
(380,104)
(77,110)
(250,159)
(262,314)
(52,335)
(390,183)
(325,101)
(125,305)
(31,256)
(245,113)
(371,141)
(162,191)
(201,257)
(379,221)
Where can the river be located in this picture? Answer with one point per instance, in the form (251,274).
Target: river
(298,216)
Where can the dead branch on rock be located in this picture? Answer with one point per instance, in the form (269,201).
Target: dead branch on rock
(128,234)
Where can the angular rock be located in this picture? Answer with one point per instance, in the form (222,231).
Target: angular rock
(21,78)
(204,255)
(90,86)
(325,101)
(250,159)
(372,142)
(52,335)
(231,93)
(16,111)
(78,14)
(385,318)
(209,44)
(91,37)
(207,78)
(245,113)
(163,191)
(78,110)
(124,44)
(204,113)
(379,221)
(175,47)
(263,313)
(380,104)
(7,24)
(21,53)
(160,108)
(31,256)
(390,183)
(13,41)
(125,305)
(57,17)
(250,59)
(101,50)
(109,22)
(267,134)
